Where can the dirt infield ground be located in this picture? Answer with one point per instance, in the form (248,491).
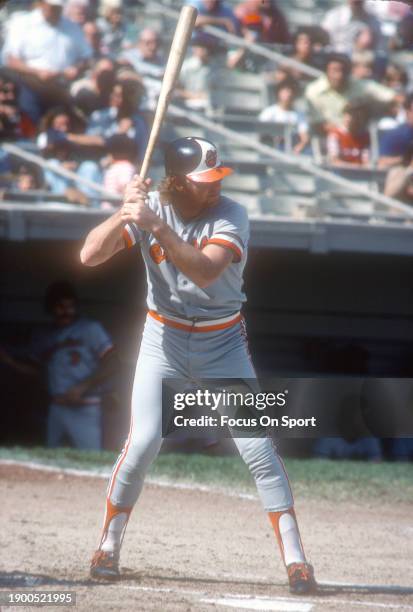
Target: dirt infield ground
(195,550)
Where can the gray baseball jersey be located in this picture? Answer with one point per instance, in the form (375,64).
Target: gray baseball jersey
(182,352)
(169,290)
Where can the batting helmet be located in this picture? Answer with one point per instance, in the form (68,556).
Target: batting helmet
(195,158)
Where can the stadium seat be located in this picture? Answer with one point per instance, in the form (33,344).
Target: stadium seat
(288,204)
(247,183)
(251,202)
(292,178)
(238,92)
(371,179)
(332,203)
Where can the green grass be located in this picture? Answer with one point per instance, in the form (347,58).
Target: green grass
(310,478)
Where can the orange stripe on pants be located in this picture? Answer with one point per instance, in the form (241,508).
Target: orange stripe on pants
(275,522)
(111,509)
(120,460)
(111,512)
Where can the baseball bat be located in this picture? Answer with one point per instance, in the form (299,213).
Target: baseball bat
(176,56)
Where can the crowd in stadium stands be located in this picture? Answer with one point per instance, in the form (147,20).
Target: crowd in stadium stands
(79,80)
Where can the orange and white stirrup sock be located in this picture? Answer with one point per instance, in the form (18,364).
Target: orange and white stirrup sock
(114,527)
(286,530)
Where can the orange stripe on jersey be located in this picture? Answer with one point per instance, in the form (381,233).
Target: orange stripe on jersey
(127,238)
(228,244)
(106,351)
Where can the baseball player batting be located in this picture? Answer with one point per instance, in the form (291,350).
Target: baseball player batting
(194,244)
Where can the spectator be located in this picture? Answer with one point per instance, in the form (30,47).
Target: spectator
(113,27)
(396,78)
(77,11)
(319,36)
(348,144)
(328,95)
(403,39)
(27,179)
(364,40)
(275,76)
(283,112)
(46,51)
(122,165)
(53,140)
(148,61)
(240,58)
(367,61)
(344,23)
(14,123)
(197,74)
(94,39)
(216,13)
(93,93)
(362,66)
(388,12)
(395,116)
(303,51)
(399,181)
(146,56)
(120,117)
(274,26)
(303,47)
(53,128)
(396,143)
(78,355)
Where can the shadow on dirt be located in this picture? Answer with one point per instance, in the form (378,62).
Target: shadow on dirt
(18,580)
(323,589)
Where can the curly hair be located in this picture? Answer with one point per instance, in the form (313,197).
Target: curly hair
(168,192)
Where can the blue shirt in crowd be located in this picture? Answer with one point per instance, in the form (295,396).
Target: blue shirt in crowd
(104,123)
(396,142)
(222,10)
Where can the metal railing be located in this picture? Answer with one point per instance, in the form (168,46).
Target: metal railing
(19,152)
(285,158)
(238,41)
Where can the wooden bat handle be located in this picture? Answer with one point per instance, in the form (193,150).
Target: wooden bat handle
(179,45)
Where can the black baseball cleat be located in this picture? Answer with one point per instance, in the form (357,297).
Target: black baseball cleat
(105,566)
(301,578)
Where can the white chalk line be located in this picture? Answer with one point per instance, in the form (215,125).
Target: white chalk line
(273,605)
(389,588)
(371,604)
(284,604)
(225,597)
(105,474)
(258,603)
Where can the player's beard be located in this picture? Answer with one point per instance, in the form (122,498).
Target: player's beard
(183,200)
